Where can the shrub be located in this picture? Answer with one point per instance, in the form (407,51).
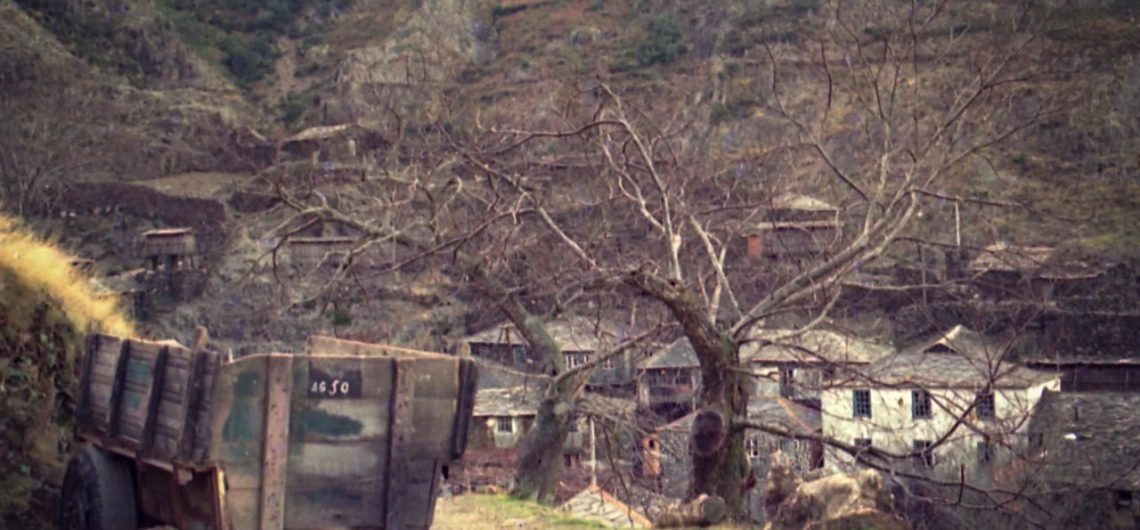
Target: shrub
(662,43)
(249,60)
(45,309)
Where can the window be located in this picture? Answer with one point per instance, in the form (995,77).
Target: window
(520,355)
(608,364)
(862,400)
(506,424)
(481,350)
(752,446)
(919,404)
(572,360)
(985,406)
(985,452)
(1123,500)
(923,453)
(1036,440)
(787,375)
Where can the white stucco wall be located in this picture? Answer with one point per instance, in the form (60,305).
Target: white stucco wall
(891,426)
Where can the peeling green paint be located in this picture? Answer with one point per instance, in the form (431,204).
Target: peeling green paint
(248,384)
(243,421)
(321,422)
(336,494)
(140,371)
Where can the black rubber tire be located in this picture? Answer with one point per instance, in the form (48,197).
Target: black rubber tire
(98,493)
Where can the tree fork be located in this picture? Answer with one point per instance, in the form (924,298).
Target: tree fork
(716,446)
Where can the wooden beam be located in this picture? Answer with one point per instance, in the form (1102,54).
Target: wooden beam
(275,452)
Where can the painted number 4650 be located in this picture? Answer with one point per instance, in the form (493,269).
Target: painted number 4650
(336,388)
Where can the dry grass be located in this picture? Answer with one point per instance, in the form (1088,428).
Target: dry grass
(479,512)
(46,269)
(46,306)
(486,512)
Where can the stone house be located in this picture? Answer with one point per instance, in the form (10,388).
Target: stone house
(1085,455)
(502,416)
(905,402)
(669,382)
(580,339)
(797,365)
(1002,268)
(795,227)
(342,143)
(666,450)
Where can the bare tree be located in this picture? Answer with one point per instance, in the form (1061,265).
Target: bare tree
(622,194)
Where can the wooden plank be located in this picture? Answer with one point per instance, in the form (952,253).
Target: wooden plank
(338,420)
(85,401)
(206,369)
(321,345)
(401,441)
(113,404)
(275,453)
(338,465)
(174,397)
(136,392)
(100,383)
(465,406)
(341,487)
(159,376)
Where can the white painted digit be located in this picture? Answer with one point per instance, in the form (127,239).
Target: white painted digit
(344,387)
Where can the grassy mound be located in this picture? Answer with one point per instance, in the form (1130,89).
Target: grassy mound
(46,307)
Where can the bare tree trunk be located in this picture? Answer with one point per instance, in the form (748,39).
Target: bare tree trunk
(540,453)
(540,456)
(717,447)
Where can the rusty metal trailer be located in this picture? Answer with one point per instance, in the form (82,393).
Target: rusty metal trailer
(346,435)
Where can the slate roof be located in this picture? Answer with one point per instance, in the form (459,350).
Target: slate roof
(784,413)
(1089,439)
(322,132)
(1038,261)
(776,411)
(949,370)
(516,401)
(812,346)
(961,340)
(957,358)
(679,355)
(573,333)
(794,201)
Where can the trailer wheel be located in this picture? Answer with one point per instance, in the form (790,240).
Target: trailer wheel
(98,493)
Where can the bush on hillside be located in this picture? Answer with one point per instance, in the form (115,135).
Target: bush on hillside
(662,43)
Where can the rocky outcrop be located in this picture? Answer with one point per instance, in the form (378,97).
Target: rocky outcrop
(433,44)
(837,502)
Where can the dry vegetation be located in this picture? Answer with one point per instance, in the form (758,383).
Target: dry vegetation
(45,307)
